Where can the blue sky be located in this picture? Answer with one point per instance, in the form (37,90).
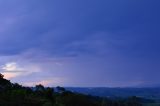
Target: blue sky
(109,43)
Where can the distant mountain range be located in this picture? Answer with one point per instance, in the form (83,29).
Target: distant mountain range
(118,92)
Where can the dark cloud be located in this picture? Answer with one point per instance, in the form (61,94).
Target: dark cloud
(127,30)
(53,25)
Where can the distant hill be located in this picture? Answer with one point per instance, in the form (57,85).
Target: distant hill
(118,92)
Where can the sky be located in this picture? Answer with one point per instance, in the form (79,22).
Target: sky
(80,43)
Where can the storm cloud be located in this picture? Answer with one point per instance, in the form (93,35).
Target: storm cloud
(81,43)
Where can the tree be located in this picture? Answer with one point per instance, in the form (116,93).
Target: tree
(60,89)
(49,93)
(4,84)
(40,87)
(17,86)
(1,76)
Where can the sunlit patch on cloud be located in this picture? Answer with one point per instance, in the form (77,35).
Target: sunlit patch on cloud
(12,69)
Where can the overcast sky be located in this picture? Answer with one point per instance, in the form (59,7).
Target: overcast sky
(84,43)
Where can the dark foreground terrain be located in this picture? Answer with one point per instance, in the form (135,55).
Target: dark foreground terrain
(13,94)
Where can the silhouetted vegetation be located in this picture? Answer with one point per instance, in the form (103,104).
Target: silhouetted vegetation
(17,95)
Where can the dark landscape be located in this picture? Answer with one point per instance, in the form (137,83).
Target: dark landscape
(150,96)
(17,95)
(13,94)
(118,92)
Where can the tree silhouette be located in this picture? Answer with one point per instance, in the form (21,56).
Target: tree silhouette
(1,76)
(60,89)
(40,87)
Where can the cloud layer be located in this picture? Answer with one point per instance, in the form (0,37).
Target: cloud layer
(80,43)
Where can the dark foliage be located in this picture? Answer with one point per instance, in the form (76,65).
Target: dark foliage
(17,95)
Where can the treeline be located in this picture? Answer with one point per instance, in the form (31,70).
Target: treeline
(13,94)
